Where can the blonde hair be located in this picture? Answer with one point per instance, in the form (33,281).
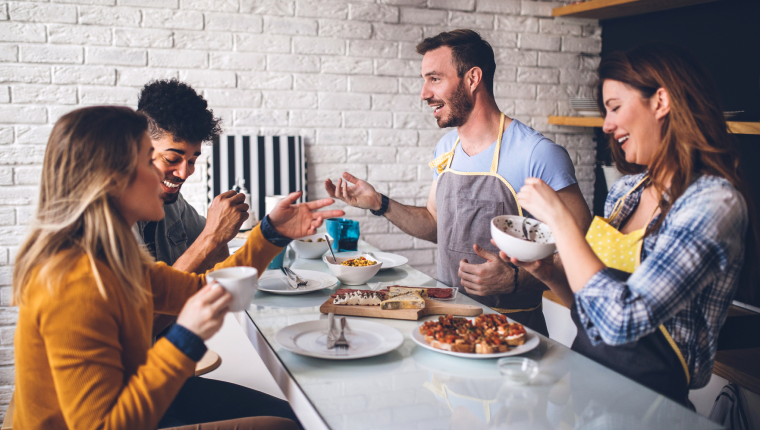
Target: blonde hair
(91,157)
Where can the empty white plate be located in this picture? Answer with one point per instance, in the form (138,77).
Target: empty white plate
(274,281)
(365,339)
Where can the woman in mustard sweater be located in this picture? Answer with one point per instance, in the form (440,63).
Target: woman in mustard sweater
(86,291)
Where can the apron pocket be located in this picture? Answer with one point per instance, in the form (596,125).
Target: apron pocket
(472,225)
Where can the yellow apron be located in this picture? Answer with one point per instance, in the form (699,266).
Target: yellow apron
(623,252)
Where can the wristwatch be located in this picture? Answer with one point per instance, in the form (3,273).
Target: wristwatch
(383,207)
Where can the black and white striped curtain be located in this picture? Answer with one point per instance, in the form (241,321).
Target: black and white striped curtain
(270,165)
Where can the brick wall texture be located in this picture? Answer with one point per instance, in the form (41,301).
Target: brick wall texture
(343,74)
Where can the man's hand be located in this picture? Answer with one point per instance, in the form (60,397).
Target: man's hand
(225,216)
(494,276)
(361,195)
(298,220)
(543,270)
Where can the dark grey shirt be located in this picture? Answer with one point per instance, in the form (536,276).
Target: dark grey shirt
(176,232)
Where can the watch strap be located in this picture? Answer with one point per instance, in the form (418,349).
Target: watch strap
(383,206)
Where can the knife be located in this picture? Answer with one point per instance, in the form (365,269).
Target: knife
(291,282)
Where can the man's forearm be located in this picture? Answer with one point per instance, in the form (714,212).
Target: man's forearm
(199,256)
(413,220)
(528,282)
(557,284)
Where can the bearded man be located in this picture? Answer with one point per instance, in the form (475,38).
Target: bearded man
(476,171)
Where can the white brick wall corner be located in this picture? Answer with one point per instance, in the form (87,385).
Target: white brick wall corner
(343,74)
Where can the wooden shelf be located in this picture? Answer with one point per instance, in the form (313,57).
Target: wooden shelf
(608,9)
(582,121)
(744,127)
(577,121)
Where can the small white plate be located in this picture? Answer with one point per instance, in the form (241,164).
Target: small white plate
(235,244)
(531,343)
(273,281)
(365,339)
(389,260)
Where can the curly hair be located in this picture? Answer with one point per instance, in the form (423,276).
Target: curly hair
(174,107)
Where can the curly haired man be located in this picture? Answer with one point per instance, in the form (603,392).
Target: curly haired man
(179,121)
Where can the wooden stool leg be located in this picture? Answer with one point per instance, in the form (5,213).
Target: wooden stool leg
(8,421)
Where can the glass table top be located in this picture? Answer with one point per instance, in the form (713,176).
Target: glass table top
(415,388)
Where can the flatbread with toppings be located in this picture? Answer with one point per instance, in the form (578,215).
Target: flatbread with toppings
(486,334)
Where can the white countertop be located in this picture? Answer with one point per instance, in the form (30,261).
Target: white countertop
(414,388)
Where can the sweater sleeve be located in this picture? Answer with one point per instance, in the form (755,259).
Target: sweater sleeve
(85,351)
(172,288)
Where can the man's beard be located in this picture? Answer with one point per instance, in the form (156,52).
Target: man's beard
(460,106)
(170,198)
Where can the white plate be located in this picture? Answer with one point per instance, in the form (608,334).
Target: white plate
(365,338)
(235,244)
(531,343)
(273,281)
(389,260)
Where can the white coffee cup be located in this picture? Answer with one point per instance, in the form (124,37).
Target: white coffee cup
(241,282)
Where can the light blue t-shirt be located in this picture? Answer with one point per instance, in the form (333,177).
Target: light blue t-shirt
(525,153)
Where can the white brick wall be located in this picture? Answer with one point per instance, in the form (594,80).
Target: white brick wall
(343,74)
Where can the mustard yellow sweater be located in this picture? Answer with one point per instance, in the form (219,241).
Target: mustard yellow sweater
(83,362)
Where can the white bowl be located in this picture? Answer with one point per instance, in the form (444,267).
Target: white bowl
(506,231)
(311,249)
(351,275)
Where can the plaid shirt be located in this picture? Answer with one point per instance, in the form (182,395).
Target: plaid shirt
(688,275)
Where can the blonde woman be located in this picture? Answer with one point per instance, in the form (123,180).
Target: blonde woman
(86,291)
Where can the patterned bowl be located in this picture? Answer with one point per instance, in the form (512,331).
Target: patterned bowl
(506,231)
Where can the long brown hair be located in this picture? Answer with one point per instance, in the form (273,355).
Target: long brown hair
(695,137)
(91,157)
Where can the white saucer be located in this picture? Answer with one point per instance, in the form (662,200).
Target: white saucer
(389,260)
(273,281)
(531,342)
(366,339)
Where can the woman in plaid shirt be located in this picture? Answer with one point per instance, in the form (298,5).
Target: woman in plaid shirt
(649,285)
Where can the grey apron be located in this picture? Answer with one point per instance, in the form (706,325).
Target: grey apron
(466,202)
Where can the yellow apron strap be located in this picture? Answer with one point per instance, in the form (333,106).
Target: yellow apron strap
(443,161)
(619,204)
(677,350)
(497,150)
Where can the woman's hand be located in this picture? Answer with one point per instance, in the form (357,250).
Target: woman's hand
(543,270)
(542,201)
(549,271)
(298,220)
(203,313)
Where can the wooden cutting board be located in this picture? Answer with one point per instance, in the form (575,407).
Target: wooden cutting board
(432,307)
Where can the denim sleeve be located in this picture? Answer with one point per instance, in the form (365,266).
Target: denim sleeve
(697,243)
(187,342)
(270,234)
